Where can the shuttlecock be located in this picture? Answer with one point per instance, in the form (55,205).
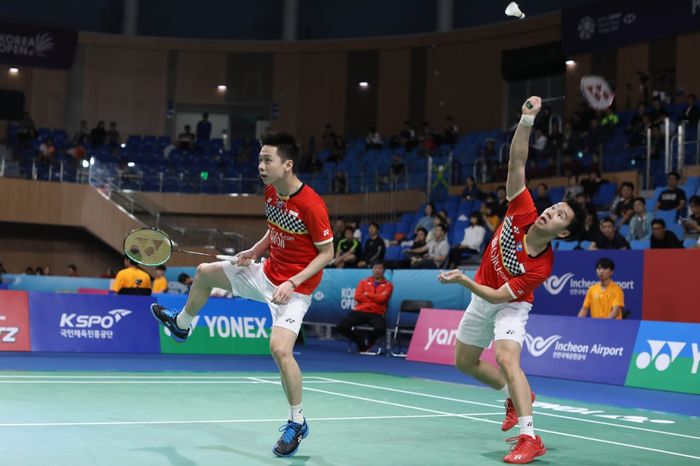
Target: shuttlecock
(514,10)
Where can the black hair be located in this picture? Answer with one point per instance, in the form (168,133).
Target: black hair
(640,199)
(443,226)
(605,263)
(378,262)
(676,174)
(161,267)
(607,220)
(479,218)
(576,224)
(692,96)
(287,147)
(350,229)
(425,232)
(546,188)
(182,278)
(628,184)
(658,221)
(131,261)
(375,224)
(695,200)
(72,266)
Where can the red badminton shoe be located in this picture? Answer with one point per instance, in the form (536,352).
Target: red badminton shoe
(524,449)
(511,415)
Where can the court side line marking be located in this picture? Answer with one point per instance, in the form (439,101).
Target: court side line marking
(154,377)
(227,421)
(466,416)
(150,382)
(539,413)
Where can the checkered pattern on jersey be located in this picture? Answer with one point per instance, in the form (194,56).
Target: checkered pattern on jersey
(510,259)
(284,220)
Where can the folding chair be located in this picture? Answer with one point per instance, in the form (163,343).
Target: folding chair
(407,307)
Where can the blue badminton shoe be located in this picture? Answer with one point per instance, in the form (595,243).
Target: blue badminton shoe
(292,434)
(168,317)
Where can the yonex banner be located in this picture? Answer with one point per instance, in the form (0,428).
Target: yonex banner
(574,272)
(335,296)
(223,326)
(14,321)
(595,350)
(37,46)
(435,335)
(92,323)
(615,23)
(666,357)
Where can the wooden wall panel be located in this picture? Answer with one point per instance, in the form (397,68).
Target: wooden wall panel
(49,97)
(198,74)
(687,67)
(630,60)
(394,88)
(285,91)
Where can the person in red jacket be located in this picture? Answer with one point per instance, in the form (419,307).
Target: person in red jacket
(371,297)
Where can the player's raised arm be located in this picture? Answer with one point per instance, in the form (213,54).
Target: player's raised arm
(519,147)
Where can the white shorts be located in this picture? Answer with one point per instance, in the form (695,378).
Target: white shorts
(483,322)
(251,283)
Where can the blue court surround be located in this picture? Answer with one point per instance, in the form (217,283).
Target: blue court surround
(320,356)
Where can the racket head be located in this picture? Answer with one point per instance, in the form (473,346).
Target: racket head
(597,92)
(148,246)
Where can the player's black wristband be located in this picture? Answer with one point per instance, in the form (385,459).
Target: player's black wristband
(294,286)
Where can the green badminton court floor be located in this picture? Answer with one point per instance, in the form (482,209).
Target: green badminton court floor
(356,419)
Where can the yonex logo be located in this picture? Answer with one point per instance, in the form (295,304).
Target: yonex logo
(537,346)
(661,361)
(74,320)
(318,296)
(554,285)
(289,320)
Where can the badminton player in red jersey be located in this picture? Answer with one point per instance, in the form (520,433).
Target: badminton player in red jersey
(516,261)
(300,244)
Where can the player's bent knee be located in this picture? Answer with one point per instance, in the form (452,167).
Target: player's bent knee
(279,351)
(509,363)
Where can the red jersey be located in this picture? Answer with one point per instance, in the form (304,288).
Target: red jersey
(297,225)
(373,295)
(506,260)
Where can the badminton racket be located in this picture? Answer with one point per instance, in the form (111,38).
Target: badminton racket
(150,246)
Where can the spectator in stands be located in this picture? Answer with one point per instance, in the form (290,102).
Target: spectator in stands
(592,138)
(471,191)
(570,140)
(340,183)
(445,218)
(407,136)
(491,220)
(638,126)
(39,271)
(427,220)
(109,273)
(471,242)
(185,140)
(348,250)
(26,131)
(451,132)
(328,137)
(113,138)
(182,285)
(542,201)
(72,270)
(313,164)
(609,123)
(582,118)
(661,238)
(691,114)
(397,170)
(585,201)
(419,246)
(98,135)
(604,300)
(29,271)
(592,183)
(203,129)
(542,119)
(555,141)
(438,251)
(338,231)
(373,140)
(673,197)
(374,248)
(609,238)
(657,113)
(160,284)
(47,151)
(573,189)
(245,151)
(82,136)
(590,229)
(692,223)
(539,144)
(640,222)
(437,220)
(131,279)
(428,145)
(501,202)
(372,296)
(622,207)
(46,270)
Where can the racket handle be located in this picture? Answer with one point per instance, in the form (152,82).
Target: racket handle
(222,257)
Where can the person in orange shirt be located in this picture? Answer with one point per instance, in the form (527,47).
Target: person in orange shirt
(130,278)
(371,297)
(605,300)
(160,284)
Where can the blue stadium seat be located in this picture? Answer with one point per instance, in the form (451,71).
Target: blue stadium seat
(585,244)
(676,229)
(556,194)
(638,244)
(393,253)
(567,245)
(605,195)
(624,230)
(668,216)
(690,243)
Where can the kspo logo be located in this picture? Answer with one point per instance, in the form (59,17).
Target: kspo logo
(8,334)
(104,322)
(663,361)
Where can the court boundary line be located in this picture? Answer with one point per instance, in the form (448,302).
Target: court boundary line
(564,434)
(150,382)
(539,413)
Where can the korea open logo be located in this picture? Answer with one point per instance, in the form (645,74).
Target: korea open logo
(586,28)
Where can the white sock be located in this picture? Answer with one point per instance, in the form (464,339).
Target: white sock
(505,390)
(295,414)
(527,426)
(183,320)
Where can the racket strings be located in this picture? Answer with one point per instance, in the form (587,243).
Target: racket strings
(148,247)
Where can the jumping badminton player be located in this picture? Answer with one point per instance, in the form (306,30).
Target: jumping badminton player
(300,242)
(517,260)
